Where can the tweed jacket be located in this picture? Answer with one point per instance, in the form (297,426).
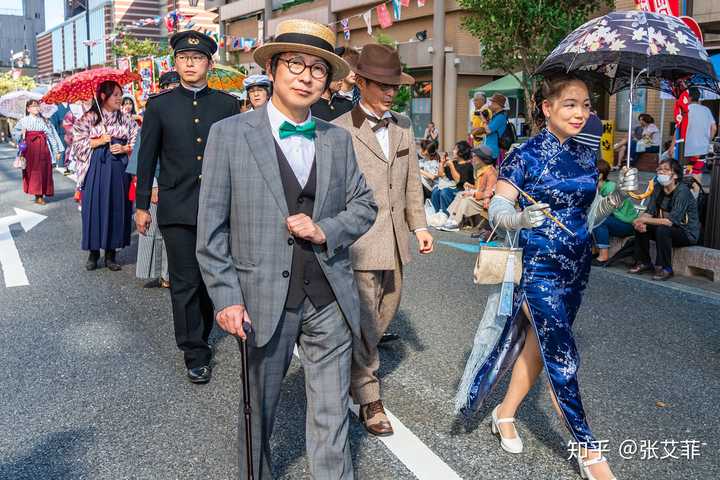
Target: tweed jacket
(243,246)
(396,185)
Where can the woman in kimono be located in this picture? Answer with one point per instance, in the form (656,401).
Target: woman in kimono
(560,174)
(43,145)
(102,141)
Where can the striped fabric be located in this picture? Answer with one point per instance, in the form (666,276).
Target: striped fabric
(151,255)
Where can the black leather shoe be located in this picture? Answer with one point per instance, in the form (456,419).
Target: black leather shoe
(92,260)
(200,374)
(110,262)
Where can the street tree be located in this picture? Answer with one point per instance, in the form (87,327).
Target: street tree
(516,35)
(9,84)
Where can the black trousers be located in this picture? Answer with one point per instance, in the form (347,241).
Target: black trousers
(192,307)
(665,239)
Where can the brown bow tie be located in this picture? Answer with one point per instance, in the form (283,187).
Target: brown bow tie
(380,122)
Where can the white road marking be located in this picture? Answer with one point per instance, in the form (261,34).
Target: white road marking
(411,451)
(12,266)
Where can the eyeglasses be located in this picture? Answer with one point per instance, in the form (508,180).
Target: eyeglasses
(185,58)
(297,66)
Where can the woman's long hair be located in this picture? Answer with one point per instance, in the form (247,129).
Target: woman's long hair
(549,89)
(105,89)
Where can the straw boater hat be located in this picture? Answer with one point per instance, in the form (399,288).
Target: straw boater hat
(304,36)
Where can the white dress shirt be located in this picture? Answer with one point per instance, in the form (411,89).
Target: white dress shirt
(299,151)
(382,134)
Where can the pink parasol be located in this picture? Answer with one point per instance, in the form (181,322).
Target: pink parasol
(83,85)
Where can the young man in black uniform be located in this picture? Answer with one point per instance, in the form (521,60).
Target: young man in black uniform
(175,129)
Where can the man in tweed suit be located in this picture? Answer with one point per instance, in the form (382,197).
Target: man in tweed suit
(282,200)
(385,148)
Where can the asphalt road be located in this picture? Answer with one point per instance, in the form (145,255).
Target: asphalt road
(94,388)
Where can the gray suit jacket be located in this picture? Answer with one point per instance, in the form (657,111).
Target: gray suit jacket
(242,238)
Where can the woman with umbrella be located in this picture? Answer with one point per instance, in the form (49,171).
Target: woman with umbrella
(43,144)
(102,140)
(560,173)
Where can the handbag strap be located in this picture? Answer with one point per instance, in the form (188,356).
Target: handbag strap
(509,236)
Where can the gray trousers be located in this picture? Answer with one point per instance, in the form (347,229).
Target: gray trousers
(324,344)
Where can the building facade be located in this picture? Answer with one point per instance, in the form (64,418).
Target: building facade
(18,29)
(444,59)
(63,49)
(707,14)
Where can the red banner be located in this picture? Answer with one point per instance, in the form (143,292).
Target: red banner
(664,7)
(384,16)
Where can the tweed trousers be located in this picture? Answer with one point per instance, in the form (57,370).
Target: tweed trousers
(324,344)
(380,292)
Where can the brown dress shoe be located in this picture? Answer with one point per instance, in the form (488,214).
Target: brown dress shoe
(375,420)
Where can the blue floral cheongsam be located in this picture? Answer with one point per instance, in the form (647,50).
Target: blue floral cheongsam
(556,266)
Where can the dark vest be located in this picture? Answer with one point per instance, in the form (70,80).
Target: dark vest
(306,277)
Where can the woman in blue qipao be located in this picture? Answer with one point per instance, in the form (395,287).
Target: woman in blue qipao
(560,174)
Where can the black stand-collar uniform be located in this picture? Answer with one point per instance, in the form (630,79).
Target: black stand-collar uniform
(174,132)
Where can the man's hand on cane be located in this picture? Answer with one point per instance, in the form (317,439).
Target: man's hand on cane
(231,320)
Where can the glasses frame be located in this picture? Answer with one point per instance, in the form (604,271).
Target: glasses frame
(182,58)
(299,60)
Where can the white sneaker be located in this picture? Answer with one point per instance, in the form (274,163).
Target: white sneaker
(450,226)
(584,471)
(510,445)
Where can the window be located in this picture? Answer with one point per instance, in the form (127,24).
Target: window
(622,110)
(421,107)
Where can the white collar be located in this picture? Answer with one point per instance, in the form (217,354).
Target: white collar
(277,118)
(348,95)
(369,112)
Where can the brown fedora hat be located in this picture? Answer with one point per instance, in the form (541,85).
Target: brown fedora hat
(381,64)
(304,36)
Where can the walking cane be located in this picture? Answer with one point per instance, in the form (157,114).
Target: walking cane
(246,400)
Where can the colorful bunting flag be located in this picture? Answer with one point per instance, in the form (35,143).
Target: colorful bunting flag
(346,27)
(397,8)
(421,3)
(383,16)
(367,16)
(405,3)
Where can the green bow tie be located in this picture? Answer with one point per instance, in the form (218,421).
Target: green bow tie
(307,130)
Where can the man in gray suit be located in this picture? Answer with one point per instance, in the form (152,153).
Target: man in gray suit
(281,201)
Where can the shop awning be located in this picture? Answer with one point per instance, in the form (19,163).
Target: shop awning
(506,85)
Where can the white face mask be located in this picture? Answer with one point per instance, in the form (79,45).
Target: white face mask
(664,180)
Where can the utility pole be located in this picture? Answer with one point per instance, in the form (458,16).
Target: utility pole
(87,30)
(266,20)
(438,85)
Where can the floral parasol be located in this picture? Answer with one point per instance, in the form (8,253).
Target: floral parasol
(222,77)
(610,48)
(83,85)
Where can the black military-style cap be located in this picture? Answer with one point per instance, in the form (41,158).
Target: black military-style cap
(169,77)
(192,40)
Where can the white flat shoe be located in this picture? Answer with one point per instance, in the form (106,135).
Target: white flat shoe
(584,464)
(510,445)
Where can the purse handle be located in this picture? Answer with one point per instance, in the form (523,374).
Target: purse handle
(509,236)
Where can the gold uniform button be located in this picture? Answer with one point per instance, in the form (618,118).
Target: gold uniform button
(199,140)
(195,103)
(197,120)
(199,157)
